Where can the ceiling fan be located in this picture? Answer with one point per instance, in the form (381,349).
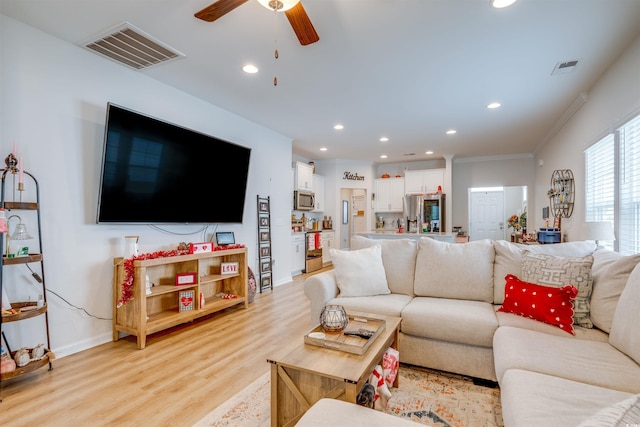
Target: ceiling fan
(293,9)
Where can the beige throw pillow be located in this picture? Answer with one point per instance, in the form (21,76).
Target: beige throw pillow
(561,271)
(360,273)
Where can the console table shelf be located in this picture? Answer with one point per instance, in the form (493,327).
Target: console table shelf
(159,309)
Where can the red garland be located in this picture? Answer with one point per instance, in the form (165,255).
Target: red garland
(127,284)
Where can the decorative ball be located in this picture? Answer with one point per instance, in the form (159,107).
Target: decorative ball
(333,318)
(252,286)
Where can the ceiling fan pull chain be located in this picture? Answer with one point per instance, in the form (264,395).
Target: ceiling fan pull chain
(276,54)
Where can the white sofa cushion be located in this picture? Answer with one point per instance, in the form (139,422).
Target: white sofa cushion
(591,362)
(460,321)
(360,273)
(530,399)
(611,271)
(550,270)
(398,259)
(625,335)
(450,270)
(509,319)
(509,257)
(388,305)
(621,414)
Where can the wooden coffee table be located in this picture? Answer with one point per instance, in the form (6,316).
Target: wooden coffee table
(309,373)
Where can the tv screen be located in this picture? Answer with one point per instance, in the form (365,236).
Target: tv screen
(157,172)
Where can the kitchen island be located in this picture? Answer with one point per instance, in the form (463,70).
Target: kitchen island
(393,234)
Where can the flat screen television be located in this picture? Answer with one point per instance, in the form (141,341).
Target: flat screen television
(156,172)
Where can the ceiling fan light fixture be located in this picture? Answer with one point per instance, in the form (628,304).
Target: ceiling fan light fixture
(278,5)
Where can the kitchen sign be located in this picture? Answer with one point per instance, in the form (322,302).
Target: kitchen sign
(352,176)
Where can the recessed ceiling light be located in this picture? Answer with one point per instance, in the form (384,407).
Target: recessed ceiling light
(499,4)
(384,156)
(250,69)
(428,152)
(384,139)
(323,149)
(493,105)
(452,132)
(338,127)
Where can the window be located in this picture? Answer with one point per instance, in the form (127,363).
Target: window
(612,184)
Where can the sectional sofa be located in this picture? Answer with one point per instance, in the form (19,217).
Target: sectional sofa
(477,309)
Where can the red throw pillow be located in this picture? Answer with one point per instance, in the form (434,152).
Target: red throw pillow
(543,303)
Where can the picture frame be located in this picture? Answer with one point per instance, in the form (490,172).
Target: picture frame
(264,236)
(264,221)
(265,251)
(185,279)
(263,206)
(265,266)
(265,282)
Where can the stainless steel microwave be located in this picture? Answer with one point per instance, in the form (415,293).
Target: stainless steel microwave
(304,200)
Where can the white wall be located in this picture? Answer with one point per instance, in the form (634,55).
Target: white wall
(612,100)
(53,104)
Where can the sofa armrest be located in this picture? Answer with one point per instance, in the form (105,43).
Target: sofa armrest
(320,288)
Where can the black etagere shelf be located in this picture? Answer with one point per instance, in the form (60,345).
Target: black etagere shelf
(265,262)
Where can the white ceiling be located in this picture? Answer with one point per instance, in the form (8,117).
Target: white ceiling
(406,69)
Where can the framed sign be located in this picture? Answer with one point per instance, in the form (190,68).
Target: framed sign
(265,266)
(229,268)
(183,279)
(263,206)
(264,236)
(264,221)
(198,248)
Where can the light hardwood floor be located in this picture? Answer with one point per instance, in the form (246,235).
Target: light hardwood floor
(181,376)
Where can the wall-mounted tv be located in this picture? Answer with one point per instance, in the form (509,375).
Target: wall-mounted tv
(156,172)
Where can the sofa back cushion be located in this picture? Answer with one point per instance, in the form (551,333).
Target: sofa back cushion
(453,270)
(624,329)
(509,257)
(398,258)
(611,271)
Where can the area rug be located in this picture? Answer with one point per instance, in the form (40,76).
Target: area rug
(425,396)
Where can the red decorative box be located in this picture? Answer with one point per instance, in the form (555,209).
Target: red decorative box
(198,248)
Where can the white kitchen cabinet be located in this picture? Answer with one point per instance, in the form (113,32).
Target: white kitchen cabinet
(327,241)
(424,181)
(318,189)
(297,253)
(389,194)
(304,176)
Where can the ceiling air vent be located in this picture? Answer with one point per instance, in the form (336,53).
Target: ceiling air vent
(564,67)
(132,47)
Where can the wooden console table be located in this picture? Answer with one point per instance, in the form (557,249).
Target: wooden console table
(310,373)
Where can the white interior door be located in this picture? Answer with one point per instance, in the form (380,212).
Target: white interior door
(486,215)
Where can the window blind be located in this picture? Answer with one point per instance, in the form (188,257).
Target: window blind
(629,187)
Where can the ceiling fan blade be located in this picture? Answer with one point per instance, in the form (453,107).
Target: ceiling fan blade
(218,9)
(302,25)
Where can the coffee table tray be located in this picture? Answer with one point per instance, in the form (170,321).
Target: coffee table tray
(348,343)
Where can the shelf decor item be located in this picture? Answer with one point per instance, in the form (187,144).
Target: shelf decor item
(229,268)
(186,300)
(333,318)
(183,279)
